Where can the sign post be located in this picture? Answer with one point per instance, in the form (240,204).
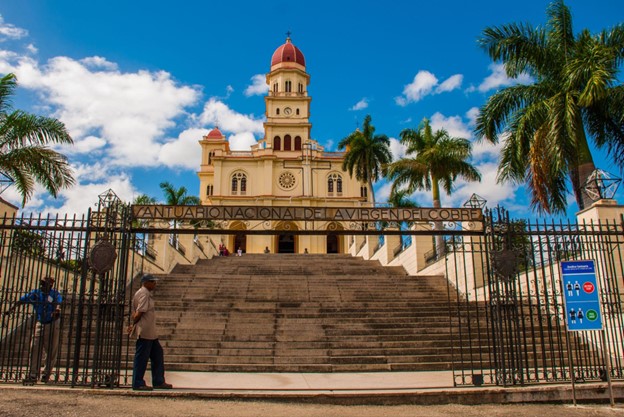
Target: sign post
(582,307)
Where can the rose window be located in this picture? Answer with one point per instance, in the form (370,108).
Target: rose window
(287,180)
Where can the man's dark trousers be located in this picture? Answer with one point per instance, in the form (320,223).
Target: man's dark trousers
(152,351)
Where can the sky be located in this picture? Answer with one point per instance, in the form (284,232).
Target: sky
(138,83)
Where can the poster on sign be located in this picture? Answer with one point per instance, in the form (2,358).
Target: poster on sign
(581,295)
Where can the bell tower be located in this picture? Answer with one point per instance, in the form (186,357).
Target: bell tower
(287,127)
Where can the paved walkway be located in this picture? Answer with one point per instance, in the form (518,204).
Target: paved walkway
(371,381)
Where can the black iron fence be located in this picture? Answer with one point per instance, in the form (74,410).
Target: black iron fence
(506,306)
(90,259)
(508,298)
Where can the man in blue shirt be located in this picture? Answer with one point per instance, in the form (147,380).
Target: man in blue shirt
(45,342)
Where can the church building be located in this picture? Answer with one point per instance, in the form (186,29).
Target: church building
(286,168)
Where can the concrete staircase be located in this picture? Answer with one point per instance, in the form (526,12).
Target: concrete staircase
(302,313)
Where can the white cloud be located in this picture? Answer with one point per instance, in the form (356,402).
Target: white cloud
(85,145)
(218,113)
(421,86)
(130,111)
(424,84)
(79,198)
(10,31)
(499,78)
(241,141)
(488,188)
(450,84)
(454,125)
(258,86)
(472,115)
(360,105)
(97,62)
(183,151)
(32,48)
(397,149)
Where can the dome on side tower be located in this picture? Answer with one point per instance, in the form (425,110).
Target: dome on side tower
(288,53)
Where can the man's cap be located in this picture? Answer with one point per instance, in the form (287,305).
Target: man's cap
(148,278)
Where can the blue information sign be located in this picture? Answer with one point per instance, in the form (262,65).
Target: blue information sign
(580,293)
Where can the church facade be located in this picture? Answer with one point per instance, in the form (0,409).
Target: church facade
(286,168)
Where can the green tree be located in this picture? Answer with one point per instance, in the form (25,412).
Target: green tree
(399,198)
(24,153)
(432,158)
(178,197)
(574,93)
(366,154)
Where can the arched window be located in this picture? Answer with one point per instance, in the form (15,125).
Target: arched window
(277,143)
(300,88)
(209,190)
(275,88)
(364,191)
(287,143)
(334,182)
(297,143)
(277,111)
(297,112)
(288,86)
(243,185)
(239,183)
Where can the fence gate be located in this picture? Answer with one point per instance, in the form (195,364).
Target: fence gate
(89,258)
(508,306)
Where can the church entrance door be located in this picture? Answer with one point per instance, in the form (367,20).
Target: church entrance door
(286,243)
(332,244)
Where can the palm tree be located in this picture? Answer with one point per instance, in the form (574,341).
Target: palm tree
(432,158)
(366,154)
(178,197)
(25,157)
(399,198)
(546,124)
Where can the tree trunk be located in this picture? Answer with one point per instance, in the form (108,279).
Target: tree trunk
(580,173)
(440,246)
(371,190)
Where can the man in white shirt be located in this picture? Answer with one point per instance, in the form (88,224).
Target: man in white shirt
(148,347)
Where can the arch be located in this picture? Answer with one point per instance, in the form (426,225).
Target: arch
(277,111)
(287,143)
(288,86)
(334,241)
(297,142)
(239,183)
(286,242)
(277,143)
(239,239)
(334,184)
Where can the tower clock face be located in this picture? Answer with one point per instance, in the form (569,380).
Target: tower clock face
(287,111)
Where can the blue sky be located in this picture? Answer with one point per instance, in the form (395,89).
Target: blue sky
(139,82)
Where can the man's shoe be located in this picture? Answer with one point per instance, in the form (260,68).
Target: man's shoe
(164,385)
(30,380)
(143,388)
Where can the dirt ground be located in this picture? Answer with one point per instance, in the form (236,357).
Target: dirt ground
(34,403)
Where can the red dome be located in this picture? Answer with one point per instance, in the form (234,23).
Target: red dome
(288,53)
(215,134)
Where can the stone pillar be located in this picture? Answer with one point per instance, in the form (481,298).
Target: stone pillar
(605,215)
(391,243)
(422,244)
